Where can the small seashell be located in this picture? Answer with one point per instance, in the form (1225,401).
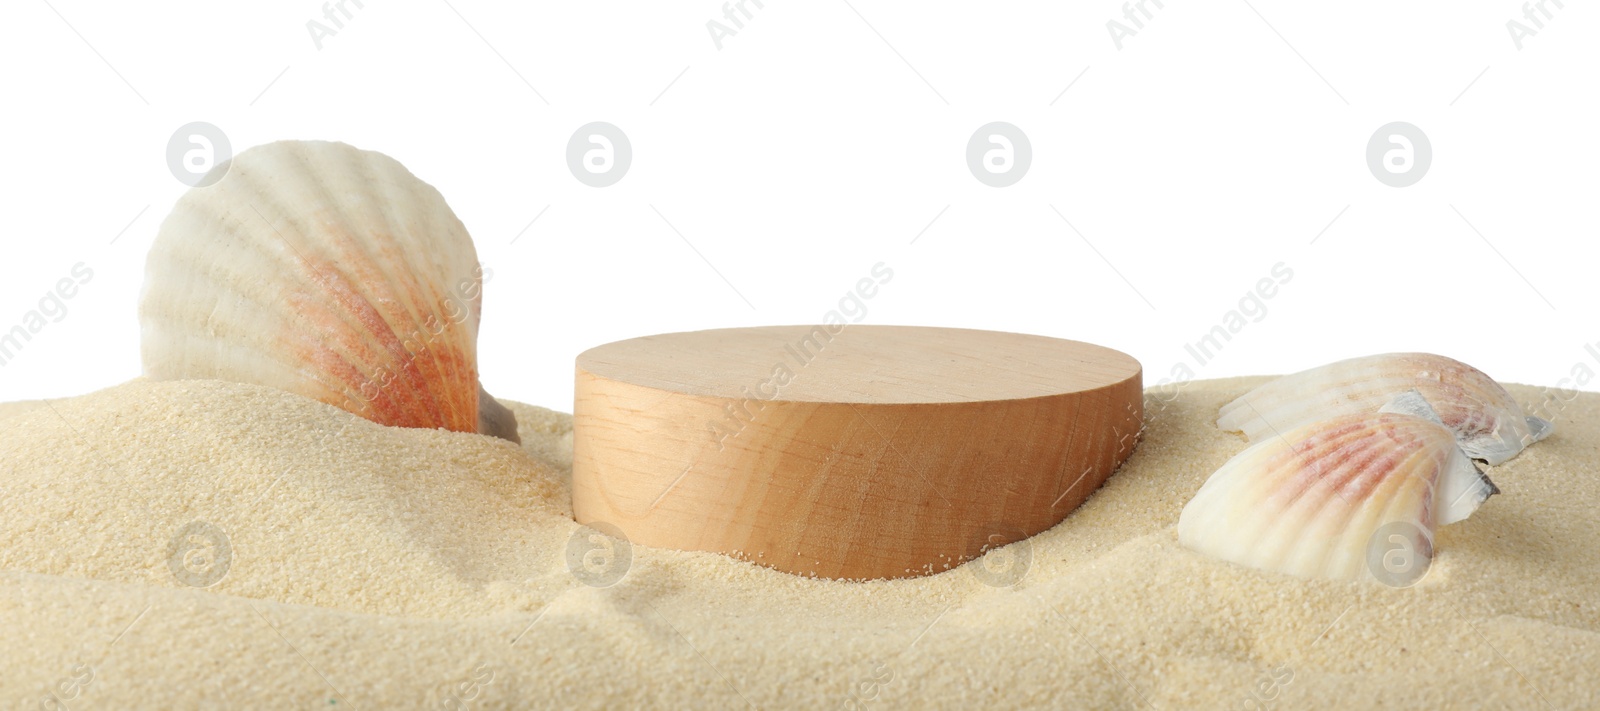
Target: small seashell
(326,271)
(1310,502)
(1487,421)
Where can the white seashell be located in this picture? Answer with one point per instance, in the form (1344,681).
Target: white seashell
(1485,418)
(326,271)
(1310,502)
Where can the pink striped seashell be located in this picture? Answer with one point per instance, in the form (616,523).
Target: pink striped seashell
(1487,421)
(1310,502)
(326,271)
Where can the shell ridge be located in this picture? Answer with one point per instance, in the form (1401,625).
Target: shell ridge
(1309,502)
(306,268)
(319,275)
(1355,457)
(201,214)
(375,299)
(1480,412)
(216,277)
(428,363)
(426,310)
(219,332)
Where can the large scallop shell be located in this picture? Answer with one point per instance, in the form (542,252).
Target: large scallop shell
(326,271)
(1309,502)
(1485,418)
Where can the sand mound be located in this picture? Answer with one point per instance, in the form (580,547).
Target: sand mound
(171,545)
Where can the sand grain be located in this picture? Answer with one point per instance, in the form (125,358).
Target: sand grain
(375,567)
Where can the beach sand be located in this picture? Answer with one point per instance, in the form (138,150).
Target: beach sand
(374,567)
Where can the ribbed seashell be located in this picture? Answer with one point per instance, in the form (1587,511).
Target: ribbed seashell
(1487,421)
(326,271)
(1309,502)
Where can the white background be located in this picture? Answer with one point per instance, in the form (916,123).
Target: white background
(1222,138)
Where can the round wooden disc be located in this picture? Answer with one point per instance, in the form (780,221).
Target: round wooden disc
(846,451)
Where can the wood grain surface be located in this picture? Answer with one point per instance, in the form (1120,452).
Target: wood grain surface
(846,451)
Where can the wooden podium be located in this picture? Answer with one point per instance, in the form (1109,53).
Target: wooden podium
(850,451)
